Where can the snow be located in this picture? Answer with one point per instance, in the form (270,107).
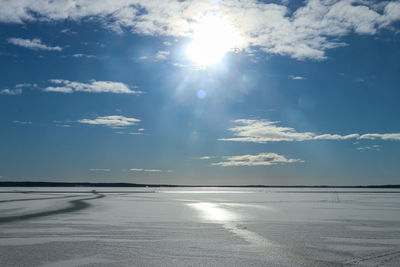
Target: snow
(199,227)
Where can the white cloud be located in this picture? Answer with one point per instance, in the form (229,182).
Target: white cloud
(386,136)
(162,55)
(369,148)
(21,85)
(263,131)
(68,32)
(34,44)
(66,86)
(145,170)
(83,55)
(11,92)
(17,89)
(307,32)
(136,133)
(59,89)
(99,170)
(206,157)
(296,77)
(262,159)
(22,122)
(115,121)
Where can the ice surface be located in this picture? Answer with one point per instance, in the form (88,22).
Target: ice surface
(199,227)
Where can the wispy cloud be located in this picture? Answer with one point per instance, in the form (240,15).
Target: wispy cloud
(293,77)
(263,131)
(206,157)
(68,32)
(99,170)
(162,55)
(131,133)
(83,56)
(262,159)
(34,44)
(306,32)
(17,90)
(11,91)
(65,86)
(22,85)
(63,124)
(22,122)
(369,148)
(115,121)
(148,170)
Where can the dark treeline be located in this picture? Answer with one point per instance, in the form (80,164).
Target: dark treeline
(84,184)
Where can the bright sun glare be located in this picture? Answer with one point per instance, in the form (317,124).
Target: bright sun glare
(213,37)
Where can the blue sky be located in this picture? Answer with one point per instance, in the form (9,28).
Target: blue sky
(200,92)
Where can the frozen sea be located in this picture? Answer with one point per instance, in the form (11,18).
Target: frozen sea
(199,227)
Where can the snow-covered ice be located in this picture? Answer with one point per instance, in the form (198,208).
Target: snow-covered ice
(199,227)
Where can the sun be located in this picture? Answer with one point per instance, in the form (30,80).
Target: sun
(213,37)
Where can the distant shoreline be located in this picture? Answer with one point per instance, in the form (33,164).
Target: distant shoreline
(86,184)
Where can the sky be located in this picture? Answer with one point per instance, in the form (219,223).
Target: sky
(200,92)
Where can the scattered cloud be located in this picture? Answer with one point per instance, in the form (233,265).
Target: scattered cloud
(83,55)
(130,133)
(99,170)
(149,170)
(206,157)
(369,148)
(115,121)
(296,77)
(59,89)
(21,85)
(136,133)
(262,159)
(263,131)
(65,86)
(308,31)
(64,124)
(162,55)
(11,91)
(68,32)
(22,122)
(17,90)
(386,136)
(34,44)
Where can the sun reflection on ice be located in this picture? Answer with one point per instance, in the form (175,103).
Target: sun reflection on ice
(215,213)
(212,212)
